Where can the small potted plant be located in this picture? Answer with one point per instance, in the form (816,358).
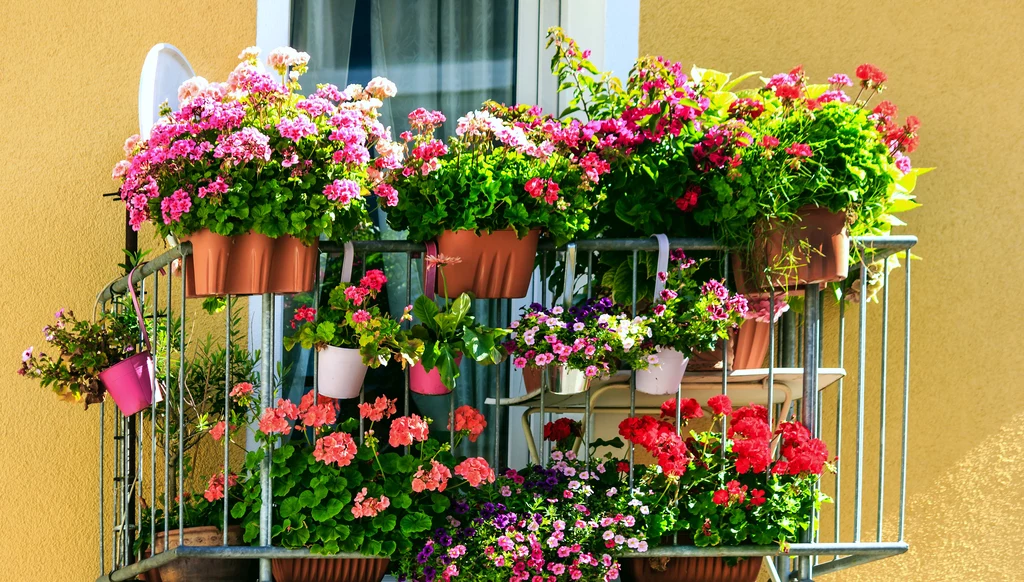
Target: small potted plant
(352,334)
(447,333)
(563,521)
(203,521)
(332,495)
(578,345)
(809,166)
(688,317)
(748,345)
(92,359)
(487,194)
(252,173)
(749,495)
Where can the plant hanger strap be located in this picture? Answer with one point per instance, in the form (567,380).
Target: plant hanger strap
(429,270)
(663,253)
(346,262)
(138,308)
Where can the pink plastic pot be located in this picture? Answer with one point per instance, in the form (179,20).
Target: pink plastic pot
(428,383)
(130,383)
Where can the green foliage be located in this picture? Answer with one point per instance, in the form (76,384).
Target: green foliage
(449,333)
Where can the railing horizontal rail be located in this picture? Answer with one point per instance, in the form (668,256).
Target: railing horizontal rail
(120,285)
(858,550)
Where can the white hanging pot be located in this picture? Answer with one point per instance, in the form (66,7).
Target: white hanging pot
(664,377)
(340,372)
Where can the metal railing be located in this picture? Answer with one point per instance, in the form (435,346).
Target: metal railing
(844,546)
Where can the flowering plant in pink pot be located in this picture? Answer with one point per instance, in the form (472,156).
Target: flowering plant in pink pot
(381,497)
(760,491)
(566,520)
(253,154)
(82,350)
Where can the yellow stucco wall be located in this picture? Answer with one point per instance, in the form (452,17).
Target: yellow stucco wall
(955,65)
(69,74)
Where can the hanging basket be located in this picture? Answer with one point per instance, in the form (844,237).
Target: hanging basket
(561,380)
(429,383)
(688,570)
(250,264)
(665,377)
(206,269)
(496,265)
(329,569)
(340,372)
(819,242)
(130,381)
(294,265)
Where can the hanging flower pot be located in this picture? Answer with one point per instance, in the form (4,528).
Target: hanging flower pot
(748,348)
(340,372)
(206,569)
(206,268)
(561,380)
(249,266)
(663,378)
(492,265)
(428,383)
(688,569)
(293,266)
(818,242)
(330,569)
(130,383)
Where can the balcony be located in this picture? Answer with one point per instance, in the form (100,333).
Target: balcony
(820,370)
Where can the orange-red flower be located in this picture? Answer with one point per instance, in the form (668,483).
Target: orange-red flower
(476,471)
(338,448)
(469,421)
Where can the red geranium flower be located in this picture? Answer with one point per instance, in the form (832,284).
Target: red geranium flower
(720,405)
(871,76)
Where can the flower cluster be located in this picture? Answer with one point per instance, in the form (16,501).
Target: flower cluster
(690,316)
(252,154)
(352,320)
(592,338)
(766,498)
(559,522)
(505,168)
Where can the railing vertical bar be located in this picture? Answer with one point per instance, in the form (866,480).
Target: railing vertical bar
(809,402)
(406,369)
(837,495)
(451,420)
(587,424)
(267,400)
(140,460)
(861,367)
(316,353)
(153,409)
(102,455)
(632,380)
(725,366)
(362,395)
(906,396)
(227,413)
(543,371)
(167,400)
(883,398)
(181,394)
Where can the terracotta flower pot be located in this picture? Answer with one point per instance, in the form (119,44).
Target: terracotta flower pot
(428,383)
(330,569)
(340,372)
(820,245)
(748,348)
(130,383)
(206,269)
(202,569)
(665,377)
(293,266)
(249,267)
(495,265)
(688,570)
(561,380)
